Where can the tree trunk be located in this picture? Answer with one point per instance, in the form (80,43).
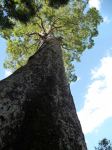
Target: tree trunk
(37,111)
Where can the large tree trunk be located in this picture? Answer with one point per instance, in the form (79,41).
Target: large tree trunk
(37,111)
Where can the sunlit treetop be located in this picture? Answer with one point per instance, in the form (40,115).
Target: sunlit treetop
(74,23)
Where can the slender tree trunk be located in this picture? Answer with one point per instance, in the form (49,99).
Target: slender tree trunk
(37,111)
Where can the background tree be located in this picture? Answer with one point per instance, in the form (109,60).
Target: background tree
(104,144)
(74,24)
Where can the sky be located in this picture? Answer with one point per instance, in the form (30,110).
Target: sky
(92,92)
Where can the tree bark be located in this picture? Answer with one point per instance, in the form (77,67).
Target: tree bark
(37,111)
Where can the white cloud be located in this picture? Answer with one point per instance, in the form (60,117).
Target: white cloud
(98,99)
(95,3)
(7,73)
(106,20)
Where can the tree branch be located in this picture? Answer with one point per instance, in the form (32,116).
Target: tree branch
(33,33)
(53,25)
(42,25)
(53,28)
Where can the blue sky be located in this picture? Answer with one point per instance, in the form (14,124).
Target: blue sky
(93,91)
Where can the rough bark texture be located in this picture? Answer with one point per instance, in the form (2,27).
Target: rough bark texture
(37,111)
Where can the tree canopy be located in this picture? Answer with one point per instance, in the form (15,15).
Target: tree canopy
(74,23)
(104,144)
(22,10)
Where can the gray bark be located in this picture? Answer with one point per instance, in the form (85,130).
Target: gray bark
(37,111)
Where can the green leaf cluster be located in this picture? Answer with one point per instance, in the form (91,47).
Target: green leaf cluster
(74,23)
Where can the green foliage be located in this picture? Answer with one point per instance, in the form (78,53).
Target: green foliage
(16,9)
(22,10)
(74,23)
(57,3)
(104,144)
